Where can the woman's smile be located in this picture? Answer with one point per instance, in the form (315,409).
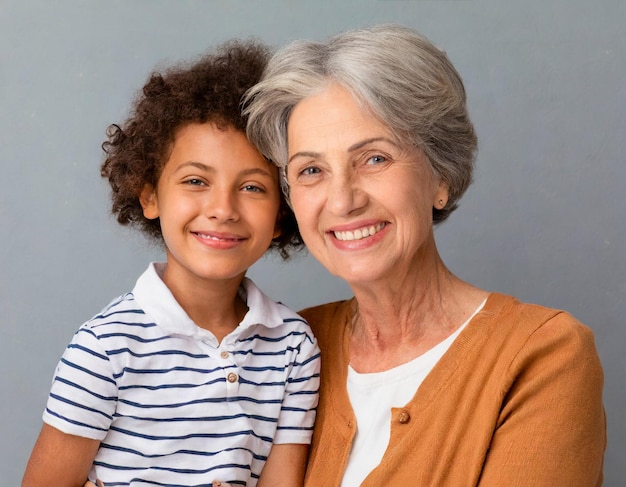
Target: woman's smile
(359,233)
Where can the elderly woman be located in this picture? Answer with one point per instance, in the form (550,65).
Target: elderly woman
(426,380)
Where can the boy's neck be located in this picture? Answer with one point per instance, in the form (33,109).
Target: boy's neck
(215,306)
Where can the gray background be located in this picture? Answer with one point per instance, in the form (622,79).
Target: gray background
(543,221)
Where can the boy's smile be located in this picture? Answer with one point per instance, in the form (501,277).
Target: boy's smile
(217,199)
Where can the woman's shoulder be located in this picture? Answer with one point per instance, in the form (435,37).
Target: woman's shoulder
(517,318)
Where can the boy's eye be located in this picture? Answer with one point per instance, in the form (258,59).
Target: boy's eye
(253,188)
(194,182)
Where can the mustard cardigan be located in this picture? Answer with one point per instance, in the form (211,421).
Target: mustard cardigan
(515,401)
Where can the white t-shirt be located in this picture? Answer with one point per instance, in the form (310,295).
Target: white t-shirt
(374,395)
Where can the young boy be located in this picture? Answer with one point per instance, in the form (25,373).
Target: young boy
(195,375)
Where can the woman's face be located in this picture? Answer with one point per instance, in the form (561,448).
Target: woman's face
(363,202)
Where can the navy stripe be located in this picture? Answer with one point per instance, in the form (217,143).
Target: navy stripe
(57,415)
(80,406)
(305,393)
(209,400)
(295,380)
(295,428)
(199,419)
(243,380)
(87,371)
(273,339)
(87,350)
(130,324)
(294,320)
(252,351)
(119,351)
(295,410)
(81,388)
(181,452)
(308,361)
(136,338)
(130,370)
(170,386)
(264,369)
(106,315)
(228,434)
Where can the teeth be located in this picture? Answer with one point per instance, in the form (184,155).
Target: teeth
(210,237)
(360,233)
(206,237)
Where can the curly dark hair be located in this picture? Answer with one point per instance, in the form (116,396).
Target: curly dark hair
(209,90)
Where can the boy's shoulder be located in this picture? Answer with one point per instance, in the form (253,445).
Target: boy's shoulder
(122,312)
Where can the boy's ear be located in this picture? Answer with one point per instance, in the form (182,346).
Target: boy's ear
(277,225)
(148,201)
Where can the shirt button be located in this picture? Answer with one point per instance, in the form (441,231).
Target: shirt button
(224,354)
(232,377)
(404,417)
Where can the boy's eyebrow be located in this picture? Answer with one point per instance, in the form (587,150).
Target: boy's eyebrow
(352,148)
(211,169)
(257,170)
(199,165)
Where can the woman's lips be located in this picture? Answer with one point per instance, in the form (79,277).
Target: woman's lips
(359,233)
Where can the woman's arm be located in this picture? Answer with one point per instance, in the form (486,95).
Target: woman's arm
(59,459)
(285,466)
(552,426)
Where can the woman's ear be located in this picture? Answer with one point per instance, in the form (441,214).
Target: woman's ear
(148,201)
(441,196)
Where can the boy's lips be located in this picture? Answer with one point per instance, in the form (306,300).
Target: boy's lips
(219,236)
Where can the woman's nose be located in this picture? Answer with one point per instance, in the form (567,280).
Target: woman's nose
(345,194)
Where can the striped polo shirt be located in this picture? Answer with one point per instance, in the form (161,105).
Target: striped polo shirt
(172,406)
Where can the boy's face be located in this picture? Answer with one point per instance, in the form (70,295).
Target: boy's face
(217,199)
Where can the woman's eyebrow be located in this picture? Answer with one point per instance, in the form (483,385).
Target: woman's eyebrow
(363,143)
(304,154)
(352,148)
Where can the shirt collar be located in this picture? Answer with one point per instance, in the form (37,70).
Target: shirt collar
(155,298)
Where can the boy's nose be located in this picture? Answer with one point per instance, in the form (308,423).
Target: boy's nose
(222,206)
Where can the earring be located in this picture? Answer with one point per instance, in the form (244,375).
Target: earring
(441,204)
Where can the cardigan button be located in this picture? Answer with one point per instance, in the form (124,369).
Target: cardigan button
(404,417)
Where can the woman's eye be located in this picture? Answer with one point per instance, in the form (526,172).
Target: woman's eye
(309,171)
(378,159)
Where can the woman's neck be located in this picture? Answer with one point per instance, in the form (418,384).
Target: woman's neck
(396,321)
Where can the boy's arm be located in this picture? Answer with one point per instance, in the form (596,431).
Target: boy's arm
(285,466)
(59,459)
